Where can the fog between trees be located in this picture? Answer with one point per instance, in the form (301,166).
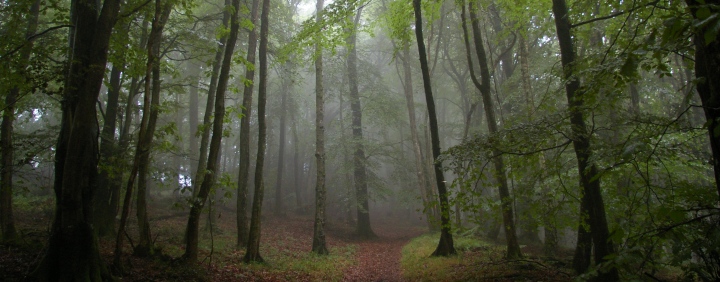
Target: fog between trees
(578,126)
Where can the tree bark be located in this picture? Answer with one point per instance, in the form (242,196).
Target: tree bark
(213,170)
(72,253)
(7,221)
(193,100)
(253,249)
(279,210)
(588,171)
(707,70)
(364,229)
(445,245)
(319,244)
(513,247)
(244,163)
(209,105)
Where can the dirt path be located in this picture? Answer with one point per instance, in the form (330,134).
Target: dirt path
(379,259)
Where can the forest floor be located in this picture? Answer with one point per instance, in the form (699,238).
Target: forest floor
(399,253)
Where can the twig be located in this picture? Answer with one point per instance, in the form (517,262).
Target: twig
(613,15)
(31,38)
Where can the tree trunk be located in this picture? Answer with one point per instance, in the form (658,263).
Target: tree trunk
(425,191)
(589,175)
(445,245)
(359,170)
(7,221)
(253,249)
(279,210)
(193,100)
(707,69)
(244,163)
(209,105)
(318,244)
(72,253)
(513,248)
(297,168)
(198,202)
(105,212)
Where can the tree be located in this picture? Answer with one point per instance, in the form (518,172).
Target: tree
(253,249)
(72,253)
(7,221)
(213,167)
(244,166)
(445,245)
(513,248)
(359,170)
(707,69)
(319,245)
(588,171)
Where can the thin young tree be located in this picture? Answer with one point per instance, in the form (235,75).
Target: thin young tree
(513,247)
(253,248)
(72,253)
(213,166)
(445,246)
(588,171)
(244,162)
(319,244)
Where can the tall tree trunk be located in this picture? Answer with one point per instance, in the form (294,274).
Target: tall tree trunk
(445,246)
(707,68)
(244,163)
(7,221)
(297,168)
(318,244)
(213,171)
(425,191)
(147,128)
(144,247)
(105,212)
(513,248)
(193,100)
(359,170)
(72,253)
(279,210)
(588,171)
(209,105)
(253,249)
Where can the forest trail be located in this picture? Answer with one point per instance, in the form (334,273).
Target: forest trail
(379,259)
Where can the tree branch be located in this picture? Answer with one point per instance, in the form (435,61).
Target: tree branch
(613,14)
(31,38)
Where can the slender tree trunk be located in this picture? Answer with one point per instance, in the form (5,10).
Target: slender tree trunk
(213,170)
(253,249)
(279,210)
(244,163)
(207,122)
(360,171)
(319,245)
(297,169)
(445,245)
(147,128)
(7,221)
(513,248)
(72,253)
(707,68)
(193,100)
(162,12)
(425,191)
(589,175)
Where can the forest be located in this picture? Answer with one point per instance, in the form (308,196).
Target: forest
(360,140)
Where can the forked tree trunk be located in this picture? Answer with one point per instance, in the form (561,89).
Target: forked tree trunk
(318,244)
(253,249)
(213,169)
(513,247)
(209,105)
(445,246)
(244,163)
(588,171)
(359,169)
(7,221)
(72,252)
